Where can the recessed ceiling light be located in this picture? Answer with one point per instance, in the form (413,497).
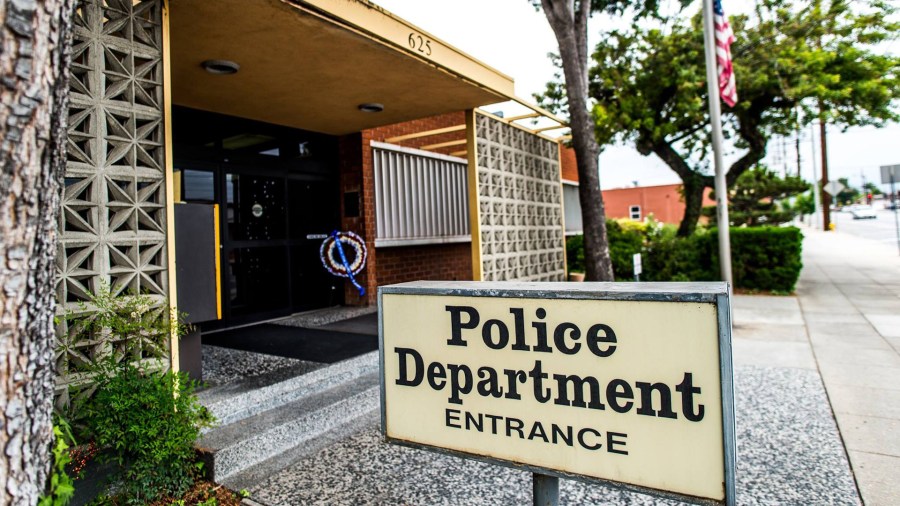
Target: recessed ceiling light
(220,66)
(371,107)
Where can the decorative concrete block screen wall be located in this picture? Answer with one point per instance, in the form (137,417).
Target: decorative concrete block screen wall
(520,204)
(113,220)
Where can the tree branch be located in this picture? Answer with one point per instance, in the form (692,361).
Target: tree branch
(749,130)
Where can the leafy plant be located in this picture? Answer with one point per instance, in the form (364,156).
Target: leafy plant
(763,258)
(124,316)
(796,62)
(754,200)
(147,422)
(125,328)
(60,486)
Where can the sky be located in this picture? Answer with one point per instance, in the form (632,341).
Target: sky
(512,37)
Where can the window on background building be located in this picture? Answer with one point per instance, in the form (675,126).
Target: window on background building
(420,197)
(634,212)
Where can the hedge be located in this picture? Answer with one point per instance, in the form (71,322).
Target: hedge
(763,258)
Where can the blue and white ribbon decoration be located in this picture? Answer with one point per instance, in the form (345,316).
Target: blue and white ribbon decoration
(336,241)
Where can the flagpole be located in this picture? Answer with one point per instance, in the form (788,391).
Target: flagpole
(715,119)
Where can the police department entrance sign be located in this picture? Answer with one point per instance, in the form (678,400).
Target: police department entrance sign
(625,383)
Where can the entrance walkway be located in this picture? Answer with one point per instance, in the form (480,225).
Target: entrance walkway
(849,294)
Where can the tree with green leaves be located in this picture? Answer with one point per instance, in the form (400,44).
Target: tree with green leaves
(758,197)
(794,62)
(872,188)
(849,195)
(805,203)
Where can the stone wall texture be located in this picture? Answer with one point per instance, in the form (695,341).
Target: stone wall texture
(113,220)
(520,204)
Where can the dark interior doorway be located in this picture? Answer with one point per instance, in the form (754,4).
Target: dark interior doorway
(277,193)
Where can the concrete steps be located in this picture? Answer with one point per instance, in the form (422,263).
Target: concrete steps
(268,422)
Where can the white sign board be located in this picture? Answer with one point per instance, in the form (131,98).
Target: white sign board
(637,264)
(614,382)
(833,188)
(889,171)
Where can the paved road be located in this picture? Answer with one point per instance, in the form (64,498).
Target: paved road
(882,229)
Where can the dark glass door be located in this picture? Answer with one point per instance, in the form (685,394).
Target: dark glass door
(313,213)
(255,247)
(277,191)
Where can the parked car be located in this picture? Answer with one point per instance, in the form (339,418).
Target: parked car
(892,205)
(863,213)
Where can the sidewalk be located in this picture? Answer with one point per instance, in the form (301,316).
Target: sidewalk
(849,294)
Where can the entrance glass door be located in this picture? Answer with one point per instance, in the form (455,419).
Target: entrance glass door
(277,192)
(312,213)
(257,269)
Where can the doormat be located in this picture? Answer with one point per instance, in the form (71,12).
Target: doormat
(314,345)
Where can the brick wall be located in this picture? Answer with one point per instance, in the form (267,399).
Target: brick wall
(439,262)
(397,264)
(352,180)
(423,125)
(663,201)
(567,163)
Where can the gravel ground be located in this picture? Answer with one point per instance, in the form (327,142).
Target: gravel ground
(223,365)
(789,452)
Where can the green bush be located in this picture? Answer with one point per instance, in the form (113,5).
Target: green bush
(625,239)
(575,253)
(672,258)
(60,486)
(763,258)
(147,422)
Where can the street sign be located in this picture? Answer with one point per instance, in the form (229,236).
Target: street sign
(890,170)
(636,258)
(890,174)
(628,384)
(833,188)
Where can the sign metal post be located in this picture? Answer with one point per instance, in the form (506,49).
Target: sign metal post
(545,490)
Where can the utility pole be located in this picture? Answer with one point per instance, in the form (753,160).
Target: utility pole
(826,198)
(815,176)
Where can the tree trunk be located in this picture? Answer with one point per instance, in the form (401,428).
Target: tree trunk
(33,111)
(694,186)
(568,19)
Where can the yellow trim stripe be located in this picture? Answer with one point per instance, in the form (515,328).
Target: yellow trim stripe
(218,255)
(427,133)
(170,190)
(474,208)
(447,144)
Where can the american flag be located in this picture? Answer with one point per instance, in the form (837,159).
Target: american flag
(724,38)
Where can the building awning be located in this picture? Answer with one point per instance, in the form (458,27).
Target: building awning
(310,64)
